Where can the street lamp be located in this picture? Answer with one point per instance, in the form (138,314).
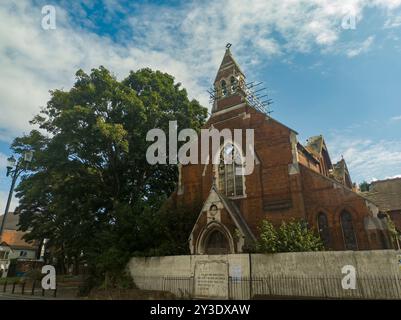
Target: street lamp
(14,169)
(10,164)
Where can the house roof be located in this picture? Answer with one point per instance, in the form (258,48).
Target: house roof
(386,194)
(11,221)
(14,240)
(11,236)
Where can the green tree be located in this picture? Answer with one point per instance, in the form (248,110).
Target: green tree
(364,186)
(90,190)
(294,236)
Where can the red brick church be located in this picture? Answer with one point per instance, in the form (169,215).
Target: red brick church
(289,180)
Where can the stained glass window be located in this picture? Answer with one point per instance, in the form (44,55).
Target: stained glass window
(348,231)
(230,172)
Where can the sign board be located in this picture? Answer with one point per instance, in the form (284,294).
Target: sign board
(211,279)
(236,272)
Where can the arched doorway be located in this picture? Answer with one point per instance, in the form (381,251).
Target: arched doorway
(216,243)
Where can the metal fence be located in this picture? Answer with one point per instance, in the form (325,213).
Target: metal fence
(323,287)
(25,288)
(283,287)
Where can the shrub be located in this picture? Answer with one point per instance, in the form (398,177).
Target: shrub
(294,236)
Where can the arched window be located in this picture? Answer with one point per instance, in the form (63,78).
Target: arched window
(348,231)
(216,243)
(230,171)
(324,230)
(233,84)
(223,88)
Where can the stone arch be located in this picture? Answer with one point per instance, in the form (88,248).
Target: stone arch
(215,239)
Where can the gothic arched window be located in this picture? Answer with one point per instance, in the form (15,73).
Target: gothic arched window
(233,84)
(324,230)
(223,88)
(348,231)
(230,171)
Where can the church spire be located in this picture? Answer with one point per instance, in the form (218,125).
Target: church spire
(229,81)
(228,65)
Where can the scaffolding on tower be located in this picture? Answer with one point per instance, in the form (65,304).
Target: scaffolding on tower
(255,95)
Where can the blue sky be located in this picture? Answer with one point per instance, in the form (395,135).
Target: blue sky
(324,79)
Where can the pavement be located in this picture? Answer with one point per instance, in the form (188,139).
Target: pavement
(10,296)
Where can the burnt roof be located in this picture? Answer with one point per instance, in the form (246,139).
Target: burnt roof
(386,194)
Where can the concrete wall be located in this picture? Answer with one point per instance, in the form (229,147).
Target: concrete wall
(184,266)
(310,274)
(330,263)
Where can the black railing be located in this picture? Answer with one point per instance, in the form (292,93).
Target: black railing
(23,287)
(319,287)
(283,287)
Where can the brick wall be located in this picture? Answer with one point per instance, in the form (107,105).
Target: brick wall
(272,193)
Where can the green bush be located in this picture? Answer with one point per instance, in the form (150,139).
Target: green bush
(294,236)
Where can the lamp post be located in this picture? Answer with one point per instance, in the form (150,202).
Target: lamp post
(14,169)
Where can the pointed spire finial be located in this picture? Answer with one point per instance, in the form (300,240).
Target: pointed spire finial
(228,45)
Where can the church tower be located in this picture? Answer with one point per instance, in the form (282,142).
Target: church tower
(229,84)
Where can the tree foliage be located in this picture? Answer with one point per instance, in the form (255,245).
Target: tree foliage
(90,189)
(293,236)
(364,186)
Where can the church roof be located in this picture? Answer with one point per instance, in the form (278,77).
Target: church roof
(339,168)
(340,172)
(386,194)
(315,144)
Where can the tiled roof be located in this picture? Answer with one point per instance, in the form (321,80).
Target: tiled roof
(14,239)
(11,236)
(11,222)
(386,194)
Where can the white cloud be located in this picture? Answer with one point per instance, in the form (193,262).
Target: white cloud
(394,177)
(361,48)
(393,22)
(3,160)
(3,202)
(187,42)
(396,118)
(269,46)
(367,159)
